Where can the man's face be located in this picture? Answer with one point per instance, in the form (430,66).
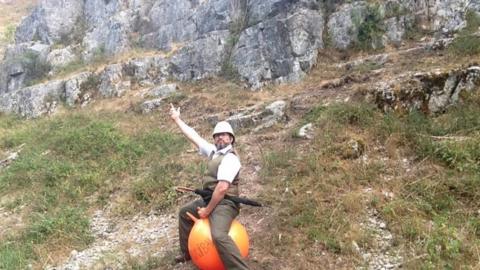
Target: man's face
(222,140)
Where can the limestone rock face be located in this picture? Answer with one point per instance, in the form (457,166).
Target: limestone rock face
(204,33)
(282,47)
(108,25)
(51,21)
(260,41)
(200,59)
(341,25)
(256,41)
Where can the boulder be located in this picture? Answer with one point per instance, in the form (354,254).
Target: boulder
(257,118)
(352,149)
(59,58)
(306,131)
(150,105)
(73,88)
(112,83)
(162,90)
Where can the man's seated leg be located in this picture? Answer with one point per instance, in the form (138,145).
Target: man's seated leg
(220,220)
(185,225)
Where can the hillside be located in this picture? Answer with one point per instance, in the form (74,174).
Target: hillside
(370,161)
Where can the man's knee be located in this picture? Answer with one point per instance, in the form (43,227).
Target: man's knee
(182,214)
(219,236)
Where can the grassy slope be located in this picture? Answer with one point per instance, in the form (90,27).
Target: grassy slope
(319,190)
(74,162)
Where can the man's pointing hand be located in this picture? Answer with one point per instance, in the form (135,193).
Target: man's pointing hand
(174,113)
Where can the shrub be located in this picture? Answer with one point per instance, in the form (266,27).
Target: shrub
(443,245)
(361,115)
(370,29)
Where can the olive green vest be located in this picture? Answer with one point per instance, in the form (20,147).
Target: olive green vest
(211,178)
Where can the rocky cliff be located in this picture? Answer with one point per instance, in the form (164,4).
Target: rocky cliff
(255,41)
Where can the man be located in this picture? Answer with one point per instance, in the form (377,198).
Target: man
(223,169)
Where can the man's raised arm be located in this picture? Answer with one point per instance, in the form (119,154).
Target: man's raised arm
(189,132)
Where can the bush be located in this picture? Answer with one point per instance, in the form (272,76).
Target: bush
(361,115)
(370,29)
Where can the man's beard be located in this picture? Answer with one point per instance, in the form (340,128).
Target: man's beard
(220,146)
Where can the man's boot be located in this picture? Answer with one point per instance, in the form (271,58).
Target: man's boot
(182,259)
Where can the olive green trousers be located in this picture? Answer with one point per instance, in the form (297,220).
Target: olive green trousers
(220,220)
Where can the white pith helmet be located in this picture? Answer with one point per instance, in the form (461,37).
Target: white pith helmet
(222,127)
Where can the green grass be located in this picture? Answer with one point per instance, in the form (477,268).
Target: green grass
(66,160)
(421,133)
(149,263)
(14,255)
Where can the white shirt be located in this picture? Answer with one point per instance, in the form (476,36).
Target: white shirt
(230,165)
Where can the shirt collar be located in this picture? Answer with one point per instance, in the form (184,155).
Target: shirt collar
(224,150)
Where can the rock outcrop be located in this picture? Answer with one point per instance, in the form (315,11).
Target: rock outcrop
(33,101)
(430,92)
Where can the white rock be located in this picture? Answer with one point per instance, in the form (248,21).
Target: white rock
(305,131)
